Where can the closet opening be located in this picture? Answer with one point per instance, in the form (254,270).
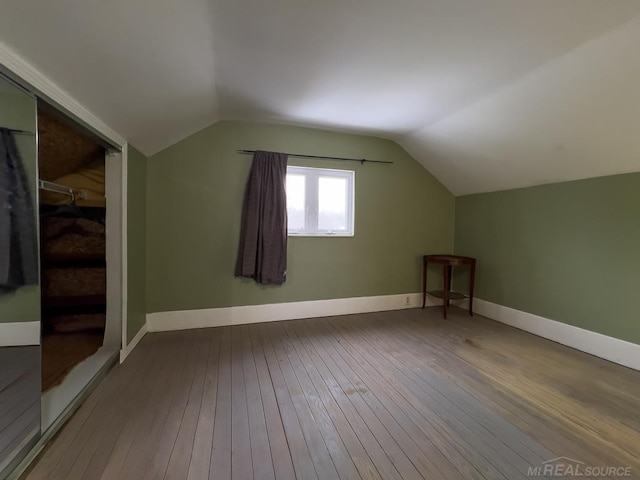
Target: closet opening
(72,184)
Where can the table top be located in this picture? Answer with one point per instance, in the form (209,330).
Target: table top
(449,259)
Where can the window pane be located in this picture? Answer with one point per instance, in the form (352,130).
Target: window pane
(295,201)
(332,203)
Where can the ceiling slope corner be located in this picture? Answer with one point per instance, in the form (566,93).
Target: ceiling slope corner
(153,144)
(46,88)
(420,154)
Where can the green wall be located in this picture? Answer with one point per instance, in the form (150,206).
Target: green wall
(18,111)
(136,240)
(568,251)
(195,192)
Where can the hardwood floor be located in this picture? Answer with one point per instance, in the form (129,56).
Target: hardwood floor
(392,395)
(19,401)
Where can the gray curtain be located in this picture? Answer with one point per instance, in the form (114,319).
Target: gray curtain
(262,254)
(18,234)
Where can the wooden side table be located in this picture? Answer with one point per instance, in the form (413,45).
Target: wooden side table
(448,262)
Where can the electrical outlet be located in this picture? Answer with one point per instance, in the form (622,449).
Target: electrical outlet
(407,301)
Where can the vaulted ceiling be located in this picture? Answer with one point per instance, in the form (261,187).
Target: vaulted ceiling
(487,94)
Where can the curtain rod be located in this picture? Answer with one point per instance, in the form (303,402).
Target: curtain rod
(300,155)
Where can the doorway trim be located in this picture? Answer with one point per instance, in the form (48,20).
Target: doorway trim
(116,251)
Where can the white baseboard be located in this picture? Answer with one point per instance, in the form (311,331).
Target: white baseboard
(124,352)
(612,349)
(19,334)
(218,317)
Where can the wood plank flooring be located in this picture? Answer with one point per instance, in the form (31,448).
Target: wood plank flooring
(19,401)
(391,395)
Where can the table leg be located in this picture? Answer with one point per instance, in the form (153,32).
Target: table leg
(424,283)
(472,281)
(445,291)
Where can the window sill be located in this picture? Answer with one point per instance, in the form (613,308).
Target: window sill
(326,235)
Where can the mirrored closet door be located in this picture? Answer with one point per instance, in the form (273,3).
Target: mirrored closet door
(60,248)
(20,295)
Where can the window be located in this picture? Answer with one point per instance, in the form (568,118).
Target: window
(320,201)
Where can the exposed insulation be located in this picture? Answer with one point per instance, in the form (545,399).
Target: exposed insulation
(57,282)
(60,353)
(63,149)
(71,236)
(77,323)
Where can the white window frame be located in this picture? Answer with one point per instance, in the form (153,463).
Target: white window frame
(312,175)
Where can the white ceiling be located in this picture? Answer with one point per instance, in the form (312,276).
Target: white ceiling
(487,94)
